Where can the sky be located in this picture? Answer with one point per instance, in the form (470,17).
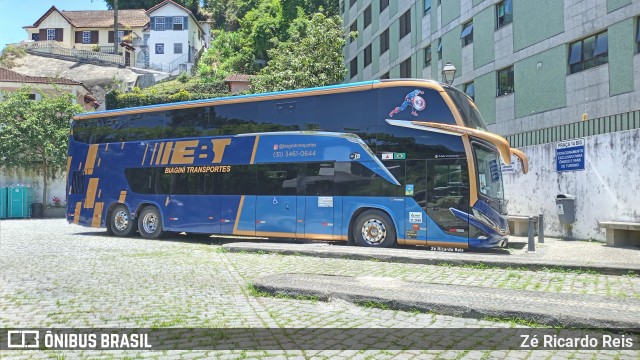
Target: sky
(14,14)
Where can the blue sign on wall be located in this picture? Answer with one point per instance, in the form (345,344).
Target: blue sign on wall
(570,155)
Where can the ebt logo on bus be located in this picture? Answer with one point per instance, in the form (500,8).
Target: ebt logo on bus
(184,152)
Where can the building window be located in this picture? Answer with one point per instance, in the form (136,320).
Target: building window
(367,16)
(120,36)
(470,89)
(384,76)
(504,13)
(638,34)
(160,23)
(353,28)
(177,22)
(405,68)
(384,4)
(589,52)
(353,67)
(51,34)
(159,48)
(35,37)
(352,2)
(427,6)
(505,81)
(177,48)
(367,55)
(427,56)
(439,50)
(86,37)
(405,24)
(384,41)
(467,34)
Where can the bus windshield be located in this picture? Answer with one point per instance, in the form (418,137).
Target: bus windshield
(489,173)
(468,110)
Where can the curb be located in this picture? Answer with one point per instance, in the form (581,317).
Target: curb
(552,309)
(417,256)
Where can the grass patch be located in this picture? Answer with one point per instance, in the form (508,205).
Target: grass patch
(254,291)
(374,305)
(513,322)
(219,249)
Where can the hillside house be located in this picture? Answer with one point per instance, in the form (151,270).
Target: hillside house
(12,81)
(166,37)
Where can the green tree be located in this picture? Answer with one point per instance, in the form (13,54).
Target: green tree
(34,134)
(311,57)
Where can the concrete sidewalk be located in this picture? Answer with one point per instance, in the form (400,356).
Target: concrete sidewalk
(556,309)
(576,255)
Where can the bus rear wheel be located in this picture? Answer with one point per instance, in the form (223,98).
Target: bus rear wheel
(374,228)
(120,222)
(150,223)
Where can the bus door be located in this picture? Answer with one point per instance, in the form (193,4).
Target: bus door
(190,208)
(415,188)
(447,189)
(276,200)
(320,202)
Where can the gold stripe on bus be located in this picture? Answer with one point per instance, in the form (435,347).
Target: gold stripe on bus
(160,150)
(524,160)
(255,148)
(153,153)
(76,213)
(68,165)
(235,225)
(448,244)
(413,242)
(471,164)
(166,202)
(167,153)
(91,159)
(123,196)
(99,193)
(145,154)
(453,108)
(248,99)
(99,161)
(498,141)
(97,214)
(106,147)
(122,146)
(91,193)
(80,166)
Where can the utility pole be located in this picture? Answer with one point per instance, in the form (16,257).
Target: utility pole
(115,28)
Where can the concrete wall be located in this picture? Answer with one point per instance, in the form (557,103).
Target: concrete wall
(608,188)
(55,187)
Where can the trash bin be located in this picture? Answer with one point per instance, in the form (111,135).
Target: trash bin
(19,201)
(36,210)
(3,203)
(565,205)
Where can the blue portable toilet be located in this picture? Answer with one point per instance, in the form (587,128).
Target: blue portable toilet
(19,201)
(3,202)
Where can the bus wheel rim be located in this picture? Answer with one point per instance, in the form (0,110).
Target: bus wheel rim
(121,220)
(150,223)
(374,232)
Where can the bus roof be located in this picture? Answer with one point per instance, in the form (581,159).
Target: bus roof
(359,86)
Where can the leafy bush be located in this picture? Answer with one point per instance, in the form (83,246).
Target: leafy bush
(183,77)
(10,54)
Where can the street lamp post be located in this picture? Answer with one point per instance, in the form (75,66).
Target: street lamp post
(448,73)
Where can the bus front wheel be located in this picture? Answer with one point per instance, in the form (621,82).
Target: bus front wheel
(374,228)
(120,222)
(150,223)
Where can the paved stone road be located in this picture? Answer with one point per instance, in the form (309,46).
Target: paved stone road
(57,275)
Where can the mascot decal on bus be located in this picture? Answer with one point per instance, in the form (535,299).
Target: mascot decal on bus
(415,100)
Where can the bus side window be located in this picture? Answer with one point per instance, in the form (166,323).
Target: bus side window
(186,122)
(277,179)
(77,183)
(320,179)
(240,180)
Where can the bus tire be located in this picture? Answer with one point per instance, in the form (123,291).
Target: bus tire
(120,222)
(374,228)
(150,223)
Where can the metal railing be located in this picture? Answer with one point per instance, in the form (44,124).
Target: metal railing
(606,124)
(57,48)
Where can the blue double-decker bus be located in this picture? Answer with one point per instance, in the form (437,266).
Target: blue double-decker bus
(377,163)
